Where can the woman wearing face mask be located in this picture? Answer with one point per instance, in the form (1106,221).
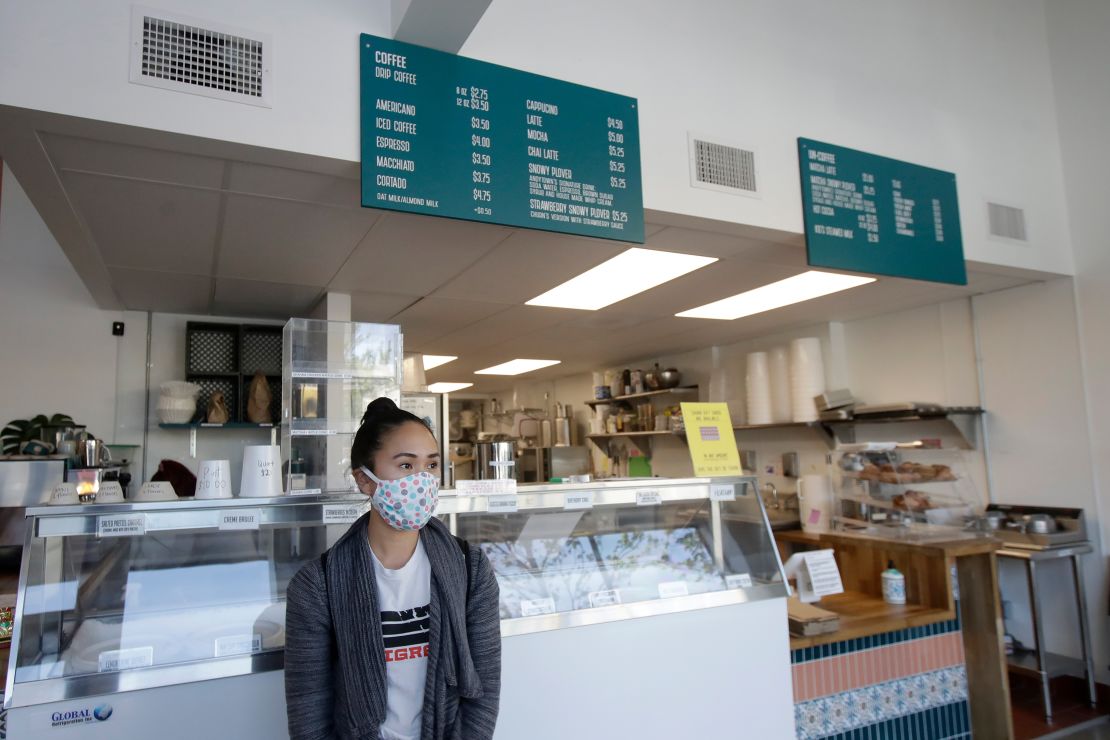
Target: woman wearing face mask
(394,632)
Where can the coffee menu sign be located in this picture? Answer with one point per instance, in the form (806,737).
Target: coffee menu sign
(444,135)
(872,214)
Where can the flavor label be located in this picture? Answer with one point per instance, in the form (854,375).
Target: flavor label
(121,525)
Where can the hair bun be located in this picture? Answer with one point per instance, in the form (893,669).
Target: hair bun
(377,407)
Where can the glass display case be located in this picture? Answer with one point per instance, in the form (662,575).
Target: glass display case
(904,490)
(115,598)
(569,550)
(330,371)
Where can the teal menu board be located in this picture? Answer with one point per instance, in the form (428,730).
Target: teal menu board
(867,213)
(449,136)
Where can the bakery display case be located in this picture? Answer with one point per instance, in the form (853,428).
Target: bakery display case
(154,604)
(330,371)
(903,490)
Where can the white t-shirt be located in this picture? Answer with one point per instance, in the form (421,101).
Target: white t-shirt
(404,596)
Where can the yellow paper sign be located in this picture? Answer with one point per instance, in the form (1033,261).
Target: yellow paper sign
(712,444)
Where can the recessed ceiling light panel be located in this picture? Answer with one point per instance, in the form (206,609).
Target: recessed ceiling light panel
(804,287)
(630,272)
(431,361)
(517,367)
(447,387)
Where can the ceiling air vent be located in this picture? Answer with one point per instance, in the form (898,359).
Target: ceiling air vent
(1007,222)
(716,166)
(199,57)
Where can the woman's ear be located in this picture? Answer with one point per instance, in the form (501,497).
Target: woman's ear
(364,483)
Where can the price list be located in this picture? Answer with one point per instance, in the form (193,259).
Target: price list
(874,214)
(449,136)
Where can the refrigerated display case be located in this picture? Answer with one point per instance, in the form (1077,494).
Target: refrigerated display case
(145,608)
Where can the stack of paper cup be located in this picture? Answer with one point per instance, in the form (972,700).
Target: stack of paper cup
(214,479)
(261,472)
(758,384)
(807,377)
(779,361)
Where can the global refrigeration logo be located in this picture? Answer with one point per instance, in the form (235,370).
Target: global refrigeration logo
(82,716)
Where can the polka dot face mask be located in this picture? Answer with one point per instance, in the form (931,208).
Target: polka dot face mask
(406,503)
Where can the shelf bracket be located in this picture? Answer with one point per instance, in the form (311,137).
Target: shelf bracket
(193,442)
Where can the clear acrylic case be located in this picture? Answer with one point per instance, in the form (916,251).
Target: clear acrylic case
(330,371)
(902,490)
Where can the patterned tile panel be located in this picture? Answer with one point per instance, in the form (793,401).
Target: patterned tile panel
(848,671)
(906,708)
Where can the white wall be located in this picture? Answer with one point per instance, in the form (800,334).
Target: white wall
(1039,449)
(1077,33)
(72,57)
(960,86)
(59,355)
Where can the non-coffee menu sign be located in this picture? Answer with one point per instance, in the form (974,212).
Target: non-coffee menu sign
(449,136)
(874,214)
(711,442)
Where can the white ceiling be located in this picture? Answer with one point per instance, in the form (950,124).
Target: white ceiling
(154,221)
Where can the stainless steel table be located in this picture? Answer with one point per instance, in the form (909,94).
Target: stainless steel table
(1041,663)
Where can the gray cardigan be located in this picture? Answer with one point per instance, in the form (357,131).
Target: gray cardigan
(335,681)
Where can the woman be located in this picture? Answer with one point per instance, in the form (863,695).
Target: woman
(394,632)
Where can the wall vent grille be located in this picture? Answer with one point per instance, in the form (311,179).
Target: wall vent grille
(722,167)
(1007,222)
(199,57)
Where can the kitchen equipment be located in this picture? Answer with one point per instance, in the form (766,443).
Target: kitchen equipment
(651,378)
(670,378)
(834,399)
(990,521)
(1038,527)
(1038,523)
(64,439)
(93,453)
(495,460)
